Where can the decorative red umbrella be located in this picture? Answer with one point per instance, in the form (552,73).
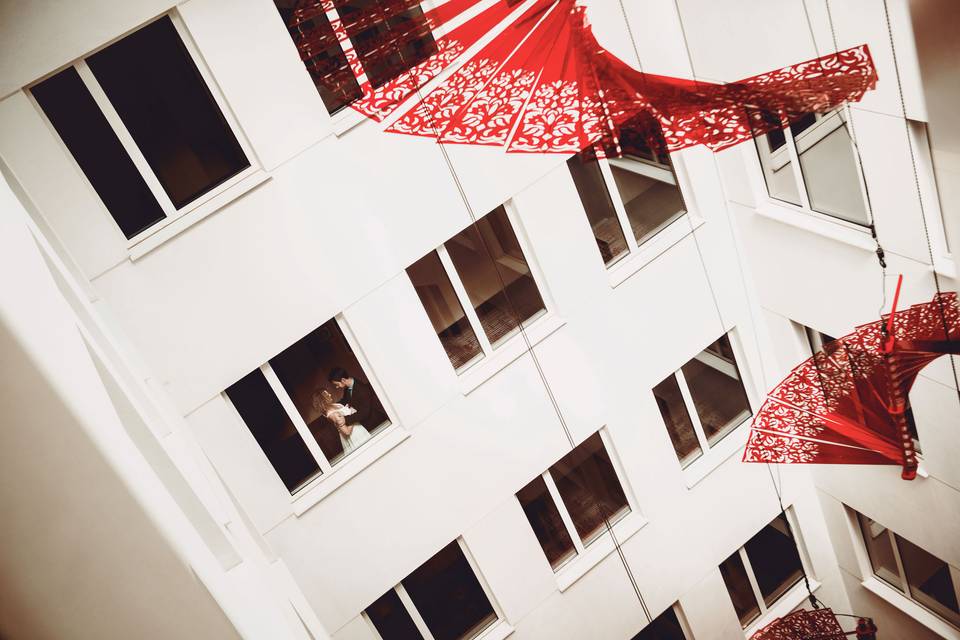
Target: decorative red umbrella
(847,404)
(817,624)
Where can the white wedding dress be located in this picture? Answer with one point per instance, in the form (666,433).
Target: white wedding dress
(358,435)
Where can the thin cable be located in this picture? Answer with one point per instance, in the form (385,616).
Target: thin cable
(814,602)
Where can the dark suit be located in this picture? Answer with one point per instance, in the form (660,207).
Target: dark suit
(361,397)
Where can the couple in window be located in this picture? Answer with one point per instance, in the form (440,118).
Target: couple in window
(356,407)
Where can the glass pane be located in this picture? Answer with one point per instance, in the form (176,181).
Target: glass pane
(590,488)
(880,550)
(778,168)
(329,389)
(432,284)
(320,51)
(830,170)
(600,212)
(650,200)
(774,559)
(271,427)
(159,94)
(930,581)
(449,597)
(391,619)
(717,390)
(675,416)
(93,144)
(738,586)
(664,627)
(544,518)
(495,274)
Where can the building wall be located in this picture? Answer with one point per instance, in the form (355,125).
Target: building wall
(334,218)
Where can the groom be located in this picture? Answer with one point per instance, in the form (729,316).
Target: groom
(359,395)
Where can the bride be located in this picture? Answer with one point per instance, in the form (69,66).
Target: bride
(351,435)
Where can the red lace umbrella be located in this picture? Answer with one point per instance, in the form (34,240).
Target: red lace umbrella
(543,84)
(818,624)
(846,404)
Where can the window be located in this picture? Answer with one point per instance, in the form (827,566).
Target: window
(570,505)
(811,163)
(917,574)
(375,41)
(310,406)
(704,401)
(628,200)
(142,125)
(666,626)
(478,289)
(762,570)
(441,600)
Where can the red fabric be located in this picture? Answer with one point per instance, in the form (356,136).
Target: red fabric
(845,404)
(818,624)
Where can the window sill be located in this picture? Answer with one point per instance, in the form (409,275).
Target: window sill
(653,248)
(497,631)
(793,598)
(174,226)
(514,348)
(322,486)
(817,223)
(599,549)
(717,455)
(344,120)
(928,619)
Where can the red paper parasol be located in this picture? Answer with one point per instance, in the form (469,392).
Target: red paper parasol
(818,624)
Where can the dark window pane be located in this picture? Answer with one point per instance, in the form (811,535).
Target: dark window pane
(803,123)
(717,390)
(260,409)
(880,550)
(320,52)
(675,416)
(544,517)
(650,196)
(93,144)
(341,418)
(773,556)
(664,627)
(449,597)
(599,208)
(166,106)
(433,286)
(738,586)
(779,171)
(495,274)
(391,618)
(590,488)
(930,581)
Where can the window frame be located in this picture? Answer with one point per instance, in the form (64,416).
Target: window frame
(903,589)
(322,484)
(792,155)
(488,353)
(496,630)
(681,619)
(712,456)
(201,206)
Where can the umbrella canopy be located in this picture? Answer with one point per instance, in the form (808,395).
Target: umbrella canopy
(818,624)
(847,404)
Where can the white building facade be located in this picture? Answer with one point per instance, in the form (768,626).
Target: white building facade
(577,478)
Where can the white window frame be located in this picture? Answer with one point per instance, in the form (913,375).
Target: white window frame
(383,437)
(681,619)
(196,209)
(496,630)
(588,553)
(793,596)
(825,125)
(871,580)
(712,455)
(547,318)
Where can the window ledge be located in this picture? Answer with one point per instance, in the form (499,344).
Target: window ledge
(789,601)
(840,231)
(174,226)
(599,549)
(324,485)
(717,455)
(928,619)
(345,119)
(497,631)
(540,330)
(653,248)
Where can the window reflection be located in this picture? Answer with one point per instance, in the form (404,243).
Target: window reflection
(738,586)
(677,418)
(717,390)
(600,211)
(774,559)
(650,196)
(545,520)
